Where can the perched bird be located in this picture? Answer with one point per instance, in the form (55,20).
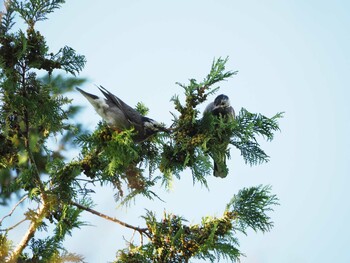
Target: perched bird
(220,107)
(121,116)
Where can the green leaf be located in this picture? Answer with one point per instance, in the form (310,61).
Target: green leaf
(250,206)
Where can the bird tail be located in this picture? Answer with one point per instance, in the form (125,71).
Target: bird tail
(220,167)
(220,170)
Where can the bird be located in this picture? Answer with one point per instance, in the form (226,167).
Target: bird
(220,107)
(121,116)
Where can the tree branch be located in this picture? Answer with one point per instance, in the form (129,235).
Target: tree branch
(113,219)
(14,208)
(14,226)
(28,235)
(26,134)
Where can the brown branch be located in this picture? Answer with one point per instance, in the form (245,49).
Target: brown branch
(14,208)
(14,226)
(28,235)
(113,219)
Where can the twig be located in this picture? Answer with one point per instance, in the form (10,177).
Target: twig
(132,237)
(14,208)
(141,240)
(28,235)
(14,226)
(113,219)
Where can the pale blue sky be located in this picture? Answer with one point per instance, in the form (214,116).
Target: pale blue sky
(292,56)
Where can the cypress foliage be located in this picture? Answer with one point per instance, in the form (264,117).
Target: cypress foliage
(33,109)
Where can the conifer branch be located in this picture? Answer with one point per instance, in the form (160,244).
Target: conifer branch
(31,110)
(26,135)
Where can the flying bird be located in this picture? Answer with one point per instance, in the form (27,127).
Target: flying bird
(121,116)
(220,107)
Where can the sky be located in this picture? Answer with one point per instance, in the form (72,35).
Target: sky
(292,56)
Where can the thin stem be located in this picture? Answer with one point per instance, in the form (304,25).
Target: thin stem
(28,235)
(14,226)
(113,219)
(14,208)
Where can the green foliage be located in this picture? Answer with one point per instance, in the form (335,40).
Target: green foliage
(68,60)
(250,206)
(142,109)
(188,146)
(196,138)
(172,240)
(32,11)
(109,156)
(48,250)
(7,17)
(248,126)
(5,247)
(34,109)
(31,109)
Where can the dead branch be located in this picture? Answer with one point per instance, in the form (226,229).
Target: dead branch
(14,208)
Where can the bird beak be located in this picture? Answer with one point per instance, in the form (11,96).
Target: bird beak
(222,105)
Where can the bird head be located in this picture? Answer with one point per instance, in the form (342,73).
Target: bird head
(221,101)
(151,126)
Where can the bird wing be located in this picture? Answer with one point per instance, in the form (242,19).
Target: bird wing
(231,112)
(209,108)
(110,97)
(133,117)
